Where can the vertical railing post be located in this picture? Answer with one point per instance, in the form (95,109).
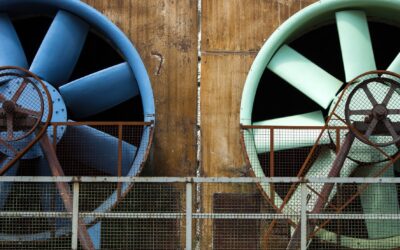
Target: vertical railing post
(272,164)
(303,217)
(189,210)
(75,215)
(119,166)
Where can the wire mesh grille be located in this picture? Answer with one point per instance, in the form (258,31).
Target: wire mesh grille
(94,149)
(100,149)
(369,211)
(150,216)
(29,220)
(225,213)
(153,215)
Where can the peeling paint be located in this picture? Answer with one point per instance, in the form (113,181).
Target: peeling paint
(160,58)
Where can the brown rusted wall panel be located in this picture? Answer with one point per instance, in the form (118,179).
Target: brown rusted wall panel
(165,32)
(222,80)
(232,33)
(243,25)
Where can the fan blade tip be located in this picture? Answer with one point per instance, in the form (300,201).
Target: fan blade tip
(304,75)
(261,136)
(395,65)
(355,43)
(100,91)
(11,51)
(60,48)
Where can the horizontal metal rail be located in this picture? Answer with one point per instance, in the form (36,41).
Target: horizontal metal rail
(354,216)
(102,123)
(291,127)
(116,215)
(243,216)
(261,180)
(28,214)
(181,215)
(239,216)
(133,215)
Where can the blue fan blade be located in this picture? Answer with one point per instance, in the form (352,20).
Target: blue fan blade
(95,235)
(11,51)
(51,200)
(5,187)
(99,150)
(60,49)
(100,91)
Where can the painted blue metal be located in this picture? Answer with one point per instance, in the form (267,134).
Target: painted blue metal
(60,49)
(115,36)
(96,20)
(95,235)
(11,51)
(50,200)
(100,91)
(6,78)
(59,115)
(94,142)
(5,187)
(54,62)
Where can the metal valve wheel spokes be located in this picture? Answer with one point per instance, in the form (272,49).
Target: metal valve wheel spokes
(375,115)
(21,117)
(22,106)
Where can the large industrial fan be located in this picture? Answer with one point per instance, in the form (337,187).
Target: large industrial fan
(298,78)
(63,62)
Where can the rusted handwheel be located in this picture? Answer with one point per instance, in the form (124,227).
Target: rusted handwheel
(375,115)
(20,114)
(23,97)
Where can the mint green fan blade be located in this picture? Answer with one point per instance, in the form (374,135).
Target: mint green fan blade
(307,77)
(395,65)
(298,138)
(355,43)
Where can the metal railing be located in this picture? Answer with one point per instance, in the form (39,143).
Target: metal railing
(190,213)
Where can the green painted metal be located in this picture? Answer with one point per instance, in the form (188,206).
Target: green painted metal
(320,168)
(358,243)
(308,119)
(380,199)
(325,11)
(355,43)
(395,65)
(311,16)
(262,136)
(304,75)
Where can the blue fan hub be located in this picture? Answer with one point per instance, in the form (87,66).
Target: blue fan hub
(59,114)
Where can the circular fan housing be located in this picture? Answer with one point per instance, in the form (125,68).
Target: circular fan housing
(296,79)
(93,73)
